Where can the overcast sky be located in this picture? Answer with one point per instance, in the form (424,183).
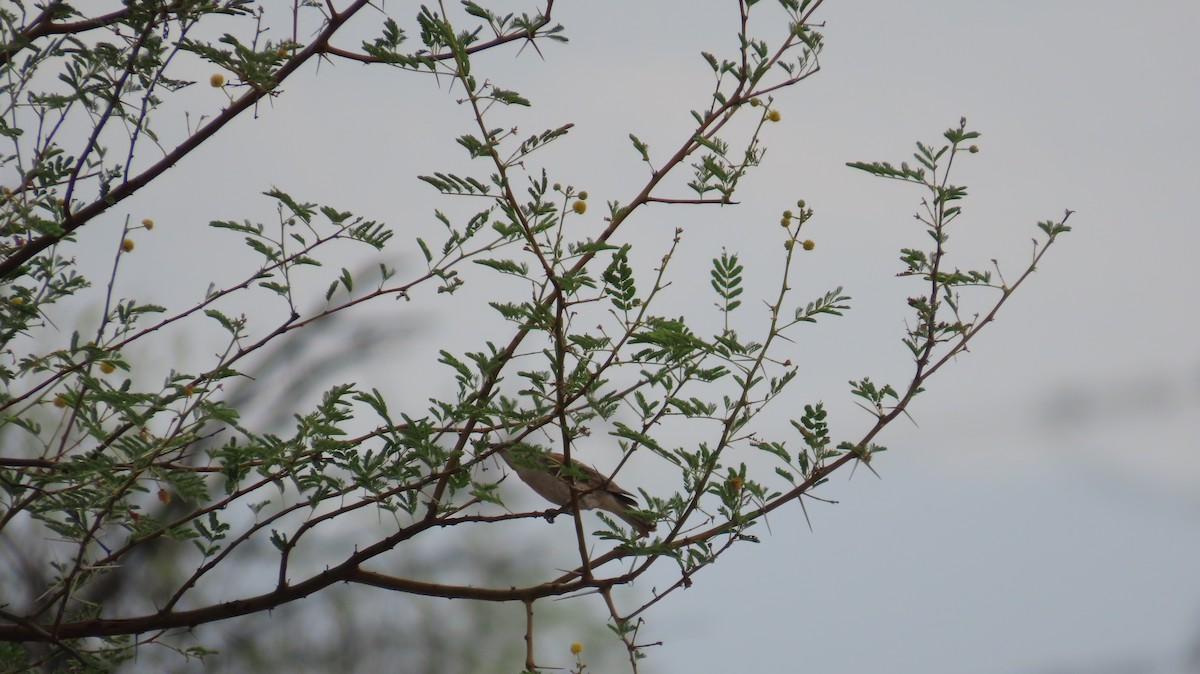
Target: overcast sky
(1043,515)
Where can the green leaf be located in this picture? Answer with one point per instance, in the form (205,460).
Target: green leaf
(642,148)
(726,279)
(509,97)
(619,283)
(506,266)
(833,303)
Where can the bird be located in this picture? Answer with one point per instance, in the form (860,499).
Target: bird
(546,474)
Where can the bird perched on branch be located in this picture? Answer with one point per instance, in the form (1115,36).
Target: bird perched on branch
(548,474)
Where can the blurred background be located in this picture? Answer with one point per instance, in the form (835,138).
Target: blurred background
(1041,512)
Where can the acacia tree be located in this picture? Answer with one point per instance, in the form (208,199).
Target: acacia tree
(103,473)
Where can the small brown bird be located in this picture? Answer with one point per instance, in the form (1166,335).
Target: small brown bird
(547,474)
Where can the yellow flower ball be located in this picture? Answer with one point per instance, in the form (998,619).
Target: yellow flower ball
(576,648)
(579,207)
(583,195)
(59,401)
(217,80)
(127,245)
(809,244)
(755,102)
(148,223)
(774,116)
(107,367)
